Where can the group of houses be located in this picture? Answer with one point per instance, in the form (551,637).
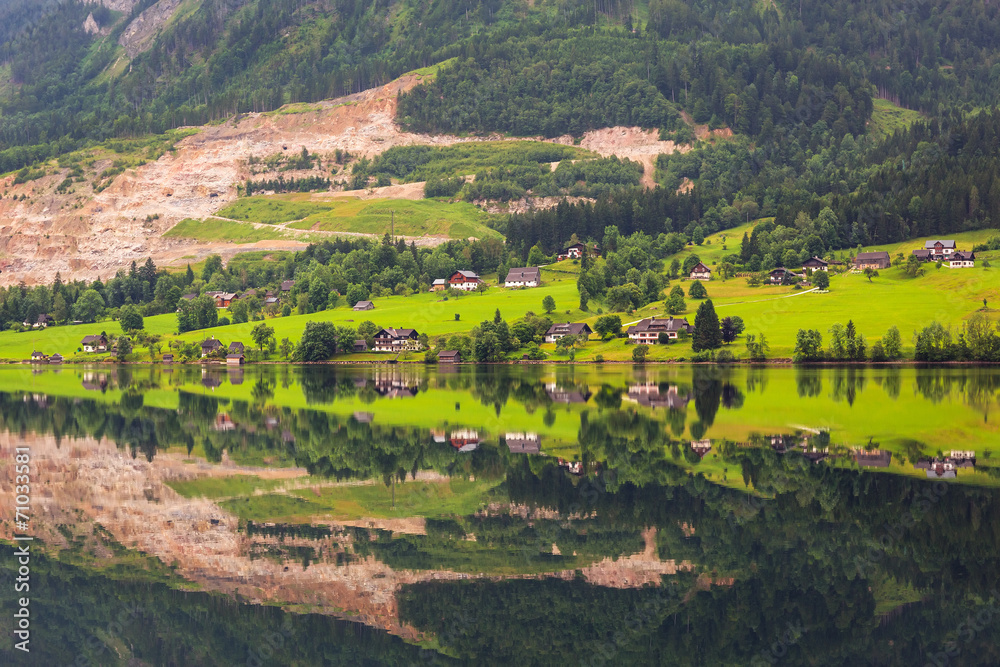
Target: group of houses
(469,281)
(225,299)
(945,251)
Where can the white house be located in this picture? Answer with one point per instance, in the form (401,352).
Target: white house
(396,340)
(465,280)
(701,272)
(960,259)
(647,332)
(523,277)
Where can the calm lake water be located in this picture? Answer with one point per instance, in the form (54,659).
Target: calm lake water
(534,515)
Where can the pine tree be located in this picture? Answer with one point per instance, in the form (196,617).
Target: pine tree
(707,335)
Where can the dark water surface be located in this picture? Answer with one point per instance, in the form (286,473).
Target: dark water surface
(514,515)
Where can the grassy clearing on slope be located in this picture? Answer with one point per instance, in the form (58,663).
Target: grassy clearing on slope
(223,487)
(428,217)
(887,118)
(227,230)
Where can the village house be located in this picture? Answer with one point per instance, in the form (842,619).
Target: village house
(210,346)
(191,296)
(571,394)
(557,331)
(449,357)
(168,358)
(467,281)
(97,343)
(523,277)
(701,447)
(287,285)
(647,331)
(523,443)
(42,322)
(575,251)
(816,264)
(439,285)
(923,254)
(360,345)
(39,357)
(960,259)
(940,249)
(235,359)
(878,259)
(700,272)
(224,299)
(364,305)
(780,276)
(396,340)
(236,347)
(270,301)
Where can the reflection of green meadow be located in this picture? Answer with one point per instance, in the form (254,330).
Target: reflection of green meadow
(909,411)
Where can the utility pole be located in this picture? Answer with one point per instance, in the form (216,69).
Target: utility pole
(392,225)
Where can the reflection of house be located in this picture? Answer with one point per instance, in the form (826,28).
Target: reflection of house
(700,272)
(464,440)
(396,340)
(872,458)
(392,382)
(574,467)
(815,454)
(650,395)
(523,443)
(211,381)
(647,332)
(467,281)
(571,394)
(947,467)
(235,375)
(872,260)
(363,417)
(223,422)
(95,381)
(557,331)
(523,277)
(438,435)
(701,447)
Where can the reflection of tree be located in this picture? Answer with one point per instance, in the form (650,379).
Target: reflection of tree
(847,383)
(808,381)
(608,397)
(934,384)
(732,397)
(262,391)
(707,387)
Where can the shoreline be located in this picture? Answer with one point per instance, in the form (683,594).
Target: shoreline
(517,362)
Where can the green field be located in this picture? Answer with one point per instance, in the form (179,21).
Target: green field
(227,230)
(457,220)
(887,118)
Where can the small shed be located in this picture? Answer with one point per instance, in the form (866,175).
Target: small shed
(364,305)
(449,357)
(168,358)
(234,359)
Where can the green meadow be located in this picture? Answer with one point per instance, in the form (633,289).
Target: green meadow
(214,229)
(425,217)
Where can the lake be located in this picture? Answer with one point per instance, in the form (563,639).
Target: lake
(531,515)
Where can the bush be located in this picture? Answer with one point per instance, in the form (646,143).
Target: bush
(599,359)
(224,321)
(704,355)
(725,357)
(639,353)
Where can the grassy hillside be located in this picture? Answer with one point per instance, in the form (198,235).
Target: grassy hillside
(887,118)
(368,216)
(228,230)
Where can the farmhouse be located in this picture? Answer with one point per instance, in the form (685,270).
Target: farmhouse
(464,280)
(781,276)
(287,285)
(465,440)
(449,357)
(210,346)
(56,358)
(39,357)
(700,272)
(523,277)
(647,332)
(557,331)
(42,322)
(364,305)
(168,358)
(648,394)
(396,340)
(940,248)
(575,251)
(816,264)
(236,347)
(97,343)
(439,285)
(224,299)
(360,345)
(923,254)
(960,259)
(872,260)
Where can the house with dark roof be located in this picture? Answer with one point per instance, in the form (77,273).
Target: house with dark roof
(647,331)
(224,299)
(96,343)
(816,264)
(236,347)
(364,305)
(523,443)
(56,358)
(467,281)
(557,331)
(940,248)
(190,297)
(700,272)
(168,358)
(570,394)
(878,259)
(960,259)
(210,346)
(396,340)
(39,357)
(575,251)
(270,301)
(464,440)
(923,254)
(650,395)
(360,345)
(43,321)
(780,276)
(287,285)
(523,277)
(449,357)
